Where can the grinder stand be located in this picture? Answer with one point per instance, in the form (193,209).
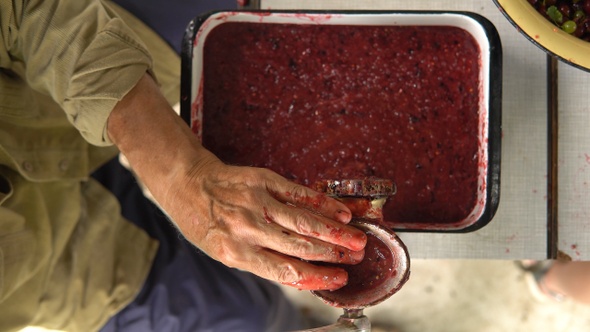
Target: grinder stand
(389,258)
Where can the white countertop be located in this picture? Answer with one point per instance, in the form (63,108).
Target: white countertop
(574,163)
(519,229)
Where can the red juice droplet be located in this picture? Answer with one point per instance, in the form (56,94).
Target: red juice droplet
(269,219)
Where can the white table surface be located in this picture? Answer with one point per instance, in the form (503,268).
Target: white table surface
(574,163)
(519,228)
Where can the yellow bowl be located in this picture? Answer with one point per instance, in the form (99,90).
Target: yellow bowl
(544,34)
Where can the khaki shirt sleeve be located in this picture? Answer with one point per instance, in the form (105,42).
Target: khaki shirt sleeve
(79,52)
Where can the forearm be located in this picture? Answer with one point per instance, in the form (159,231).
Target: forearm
(159,146)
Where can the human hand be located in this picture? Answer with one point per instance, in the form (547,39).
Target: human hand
(253,219)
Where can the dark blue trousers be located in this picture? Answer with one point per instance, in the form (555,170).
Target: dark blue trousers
(169,18)
(186,290)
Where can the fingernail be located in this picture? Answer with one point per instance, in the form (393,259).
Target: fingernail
(343,216)
(357,256)
(338,280)
(358,241)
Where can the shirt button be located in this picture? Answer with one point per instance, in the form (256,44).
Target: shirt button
(27,166)
(64,165)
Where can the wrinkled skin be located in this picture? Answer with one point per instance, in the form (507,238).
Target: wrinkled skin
(247,218)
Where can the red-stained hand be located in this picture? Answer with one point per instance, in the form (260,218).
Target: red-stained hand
(255,220)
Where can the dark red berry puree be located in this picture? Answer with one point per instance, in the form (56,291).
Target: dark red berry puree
(315,102)
(377,266)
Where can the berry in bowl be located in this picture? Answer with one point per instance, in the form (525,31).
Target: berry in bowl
(561,28)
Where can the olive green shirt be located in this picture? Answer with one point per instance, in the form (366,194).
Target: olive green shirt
(68,260)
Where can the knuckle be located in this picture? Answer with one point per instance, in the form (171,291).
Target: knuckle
(287,274)
(226,252)
(299,193)
(266,173)
(303,223)
(302,249)
(255,175)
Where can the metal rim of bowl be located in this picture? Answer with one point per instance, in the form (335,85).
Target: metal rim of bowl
(544,34)
(396,245)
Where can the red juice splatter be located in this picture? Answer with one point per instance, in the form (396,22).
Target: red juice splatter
(335,232)
(269,219)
